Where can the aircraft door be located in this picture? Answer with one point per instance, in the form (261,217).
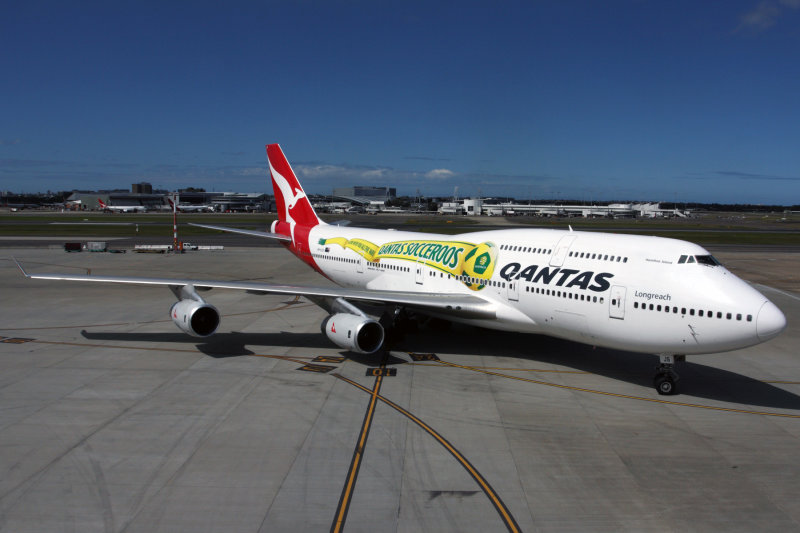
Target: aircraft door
(561,250)
(360,265)
(513,290)
(419,275)
(616,302)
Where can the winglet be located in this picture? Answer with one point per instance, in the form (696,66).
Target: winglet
(20,267)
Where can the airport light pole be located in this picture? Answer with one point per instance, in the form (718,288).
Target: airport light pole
(175,223)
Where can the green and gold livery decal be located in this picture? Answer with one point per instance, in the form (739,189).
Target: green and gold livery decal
(473,263)
(365,249)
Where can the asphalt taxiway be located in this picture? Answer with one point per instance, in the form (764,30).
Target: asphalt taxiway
(111,419)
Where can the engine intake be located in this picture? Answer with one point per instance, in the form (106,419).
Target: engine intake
(352,332)
(198,319)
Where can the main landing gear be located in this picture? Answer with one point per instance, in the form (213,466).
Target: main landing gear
(666,378)
(396,323)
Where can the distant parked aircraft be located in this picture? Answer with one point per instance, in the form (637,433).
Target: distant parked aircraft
(191,208)
(121,208)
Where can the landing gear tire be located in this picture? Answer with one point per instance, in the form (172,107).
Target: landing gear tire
(665,384)
(666,378)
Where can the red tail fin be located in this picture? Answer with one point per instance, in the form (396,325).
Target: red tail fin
(290,199)
(102,203)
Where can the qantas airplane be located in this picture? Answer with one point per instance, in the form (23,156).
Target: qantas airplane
(191,208)
(121,208)
(629,292)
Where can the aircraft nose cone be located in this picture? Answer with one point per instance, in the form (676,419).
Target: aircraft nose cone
(770,321)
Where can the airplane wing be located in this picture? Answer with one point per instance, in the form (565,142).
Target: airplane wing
(455,305)
(252,233)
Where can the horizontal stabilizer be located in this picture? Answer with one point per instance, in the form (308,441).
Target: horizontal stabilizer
(252,233)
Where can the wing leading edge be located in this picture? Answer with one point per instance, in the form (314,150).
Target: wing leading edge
(455,305)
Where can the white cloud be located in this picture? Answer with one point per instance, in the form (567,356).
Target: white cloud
(320,172)
(765,14)
(440,174)
(254,171)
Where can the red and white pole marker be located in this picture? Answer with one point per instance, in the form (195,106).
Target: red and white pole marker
(175,224)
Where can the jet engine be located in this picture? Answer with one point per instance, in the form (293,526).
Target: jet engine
(198,319)
(352,332)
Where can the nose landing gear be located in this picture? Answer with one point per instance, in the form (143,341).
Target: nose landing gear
(666,378)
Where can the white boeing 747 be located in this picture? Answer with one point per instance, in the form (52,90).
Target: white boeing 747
(629,292)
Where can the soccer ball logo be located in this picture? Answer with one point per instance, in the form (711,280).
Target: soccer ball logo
(479,265)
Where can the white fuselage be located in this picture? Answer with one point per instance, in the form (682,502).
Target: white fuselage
(630,292)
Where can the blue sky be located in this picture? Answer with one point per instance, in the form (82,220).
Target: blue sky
(649,100)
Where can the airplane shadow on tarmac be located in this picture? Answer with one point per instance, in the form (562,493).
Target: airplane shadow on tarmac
(220,345)
(697,380)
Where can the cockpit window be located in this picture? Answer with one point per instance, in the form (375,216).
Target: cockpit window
(709,260)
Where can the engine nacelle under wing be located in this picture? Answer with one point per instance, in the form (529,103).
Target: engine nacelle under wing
(198,319)
(352,332)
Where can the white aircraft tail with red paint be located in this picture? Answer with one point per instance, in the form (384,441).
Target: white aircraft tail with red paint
(291,201)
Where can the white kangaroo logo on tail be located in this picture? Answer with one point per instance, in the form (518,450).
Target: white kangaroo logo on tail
(289,199)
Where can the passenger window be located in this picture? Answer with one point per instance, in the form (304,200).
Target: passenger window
(738,316)
(636,305)
(728,316)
